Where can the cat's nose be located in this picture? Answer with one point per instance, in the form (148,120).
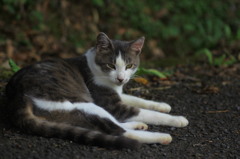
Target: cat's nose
(120,79)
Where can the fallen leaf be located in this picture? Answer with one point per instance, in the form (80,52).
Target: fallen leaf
(167,82)
(162,88)
(211,89)
(141,80)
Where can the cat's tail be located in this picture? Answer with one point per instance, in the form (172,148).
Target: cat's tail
(39,126)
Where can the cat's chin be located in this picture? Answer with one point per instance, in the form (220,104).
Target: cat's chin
(119,83)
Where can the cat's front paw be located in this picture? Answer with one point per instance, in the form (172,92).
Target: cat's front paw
(160,107)
(179,121)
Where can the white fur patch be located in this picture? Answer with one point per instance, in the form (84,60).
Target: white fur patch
(51,106)
(120,64)
(121,72)
(89,108)
(95,69)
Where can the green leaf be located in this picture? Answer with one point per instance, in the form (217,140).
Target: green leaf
(219,61)
(227,31)
(231,61)
(99,3)
(143,71)
(209,55)
(13,65)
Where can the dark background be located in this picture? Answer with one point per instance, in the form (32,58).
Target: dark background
(176,32)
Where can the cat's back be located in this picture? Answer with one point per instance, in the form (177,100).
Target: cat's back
(53,79)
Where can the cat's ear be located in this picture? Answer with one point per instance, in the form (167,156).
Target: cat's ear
(103,42)
(137,45)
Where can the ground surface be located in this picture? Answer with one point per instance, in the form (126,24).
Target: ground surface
(208,97)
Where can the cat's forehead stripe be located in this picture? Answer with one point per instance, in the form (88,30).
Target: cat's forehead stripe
(119,60)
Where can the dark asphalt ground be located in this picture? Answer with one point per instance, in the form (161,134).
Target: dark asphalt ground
(208,97)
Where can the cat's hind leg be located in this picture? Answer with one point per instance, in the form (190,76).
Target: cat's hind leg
(139,135)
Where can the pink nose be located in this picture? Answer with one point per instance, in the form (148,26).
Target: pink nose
(120,80)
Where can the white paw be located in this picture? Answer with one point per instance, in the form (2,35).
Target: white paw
(135,125)
(149,137)
(164,139)
(161,138)
(179,121)
(161,107)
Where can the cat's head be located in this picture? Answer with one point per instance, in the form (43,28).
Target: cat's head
(117,60)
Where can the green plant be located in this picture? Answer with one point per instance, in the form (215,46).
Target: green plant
(98,3)
(222,60)
(22,10)
(179,27)
(13,65)
(143,71)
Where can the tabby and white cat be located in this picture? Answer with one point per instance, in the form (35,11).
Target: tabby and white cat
(81,99)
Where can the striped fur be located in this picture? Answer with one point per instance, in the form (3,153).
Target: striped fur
(69,80)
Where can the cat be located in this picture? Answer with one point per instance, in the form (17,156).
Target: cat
(81,99)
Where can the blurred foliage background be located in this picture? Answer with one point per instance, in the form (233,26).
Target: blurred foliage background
(177,32)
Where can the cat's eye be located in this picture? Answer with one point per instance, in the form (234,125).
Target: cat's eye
(111,66)
(129,66)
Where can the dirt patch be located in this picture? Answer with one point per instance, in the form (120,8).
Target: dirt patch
(208,97)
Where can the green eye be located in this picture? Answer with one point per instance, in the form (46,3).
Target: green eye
(129,66)
(111,66)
